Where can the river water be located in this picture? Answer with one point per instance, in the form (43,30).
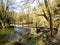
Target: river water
(22,30)
(11,35)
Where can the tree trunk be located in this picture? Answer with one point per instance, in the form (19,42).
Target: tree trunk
(50,17)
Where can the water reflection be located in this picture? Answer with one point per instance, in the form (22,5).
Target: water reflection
(22,30)
(12,36)
(5,38)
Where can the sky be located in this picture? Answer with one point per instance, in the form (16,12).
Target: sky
(23,5)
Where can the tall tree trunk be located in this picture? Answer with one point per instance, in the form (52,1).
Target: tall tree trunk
(50,17)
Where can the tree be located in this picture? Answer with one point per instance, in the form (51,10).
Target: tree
(5,15)
(49,14)
(50,18)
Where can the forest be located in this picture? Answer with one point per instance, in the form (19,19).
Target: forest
(29,22)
